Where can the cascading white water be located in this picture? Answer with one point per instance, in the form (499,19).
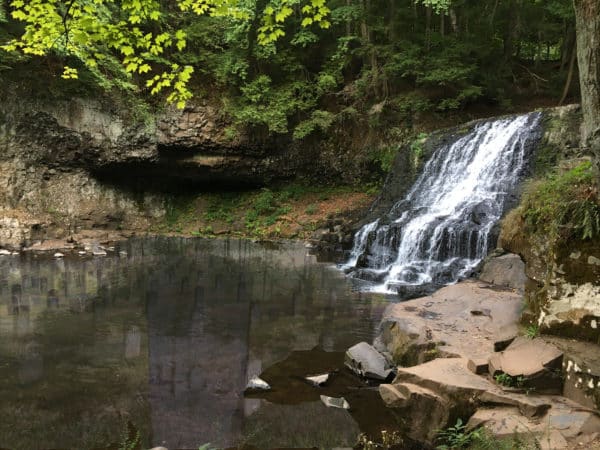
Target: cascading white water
(441,230)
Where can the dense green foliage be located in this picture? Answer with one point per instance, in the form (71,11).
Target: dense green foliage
(306,66)
(563,206)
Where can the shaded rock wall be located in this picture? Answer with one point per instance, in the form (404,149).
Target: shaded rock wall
(86,163)
(563,291)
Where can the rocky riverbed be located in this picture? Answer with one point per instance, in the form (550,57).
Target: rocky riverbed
(462,355)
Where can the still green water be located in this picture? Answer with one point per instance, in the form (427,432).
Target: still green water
(165,338)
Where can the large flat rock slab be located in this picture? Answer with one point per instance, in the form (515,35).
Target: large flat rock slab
(463,320)
(535,362)
(565,424)
(444,374)
(446,388)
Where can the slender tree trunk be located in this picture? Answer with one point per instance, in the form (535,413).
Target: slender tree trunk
(391,28)
(415,15)
(428,27)
(493,14)
(453,20)
(569,75)
(511,34)
(366,34)
(587,14)
(348,23)
(569,42)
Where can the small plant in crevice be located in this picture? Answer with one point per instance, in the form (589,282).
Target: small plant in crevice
(207,446)
(506,380)
(532,331)
(311,209)
(130,438)
(416,148)
(388,440)
(456,436)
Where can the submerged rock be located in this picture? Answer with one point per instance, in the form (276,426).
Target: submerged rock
(364,360)
(98,251)
(318,380)
(257,383)
(333,402)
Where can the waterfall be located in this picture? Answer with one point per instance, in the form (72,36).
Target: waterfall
(441,230)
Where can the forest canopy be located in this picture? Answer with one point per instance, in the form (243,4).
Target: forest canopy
(300,65)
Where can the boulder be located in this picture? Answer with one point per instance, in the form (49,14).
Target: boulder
(560,427)
(317,380)
(445,376)
(478,366)
(428,412)
(438,325)
(506,271)
(432,394)
(504,422)
(528,405)
(257,383)
(532,363)
(364,360)
(573,311)
(333,402)
(581,370)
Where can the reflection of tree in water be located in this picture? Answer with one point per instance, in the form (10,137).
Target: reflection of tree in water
(169,335)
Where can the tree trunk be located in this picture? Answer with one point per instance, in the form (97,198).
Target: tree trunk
(453,20)
(569,75)
(567,47)
(348,23)
(428,27)
(391,27)
(587,14)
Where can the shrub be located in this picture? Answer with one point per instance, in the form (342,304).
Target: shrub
(565,205)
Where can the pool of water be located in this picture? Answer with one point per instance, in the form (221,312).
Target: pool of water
(161,341)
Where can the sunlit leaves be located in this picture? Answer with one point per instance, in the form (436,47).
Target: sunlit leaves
(132,31)
(437,5)
(69,73)
(275,14)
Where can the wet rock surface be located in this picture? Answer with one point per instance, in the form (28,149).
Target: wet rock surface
(364,360)
(467,332)
(361,401)
(462,320)
(446,389)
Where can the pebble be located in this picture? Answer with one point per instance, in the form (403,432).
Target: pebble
(257,383)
